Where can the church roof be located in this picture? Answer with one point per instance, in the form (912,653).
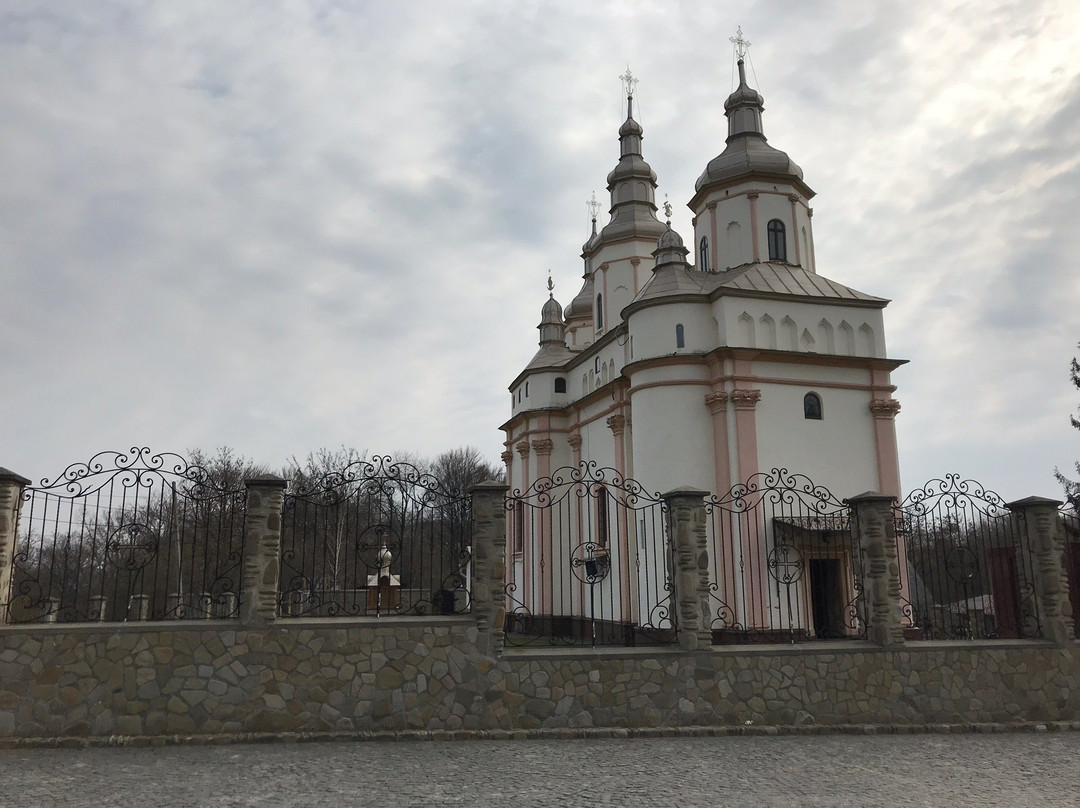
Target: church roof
(756,279)
(550,355)
(785,279)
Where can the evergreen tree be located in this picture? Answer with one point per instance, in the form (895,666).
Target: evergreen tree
(1072,487)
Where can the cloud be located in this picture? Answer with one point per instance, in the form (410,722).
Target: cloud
(286,227)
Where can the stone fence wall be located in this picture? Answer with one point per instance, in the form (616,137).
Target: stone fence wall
(259,674)
(368,675)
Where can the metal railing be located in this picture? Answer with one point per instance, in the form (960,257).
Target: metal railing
(784,564)
(589,562)
(377,537)
(128,536)
(966,565)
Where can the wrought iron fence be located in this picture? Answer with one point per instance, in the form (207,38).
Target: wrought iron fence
(589,562)
(128,536)
(784,564)
(377,537)
(1070,524)
(966,565)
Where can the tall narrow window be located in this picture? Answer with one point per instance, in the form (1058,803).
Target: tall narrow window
(526,389)
(777,241)
(811,407)
(680,336)
(599,312)
(560,385)
(703,255)
(519,526)
(601,517)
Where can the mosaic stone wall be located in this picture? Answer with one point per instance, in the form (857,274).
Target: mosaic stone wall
(365,675)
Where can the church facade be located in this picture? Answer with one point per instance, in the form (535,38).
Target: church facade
(701,369)
(700,366)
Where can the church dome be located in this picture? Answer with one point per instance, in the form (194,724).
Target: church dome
(747,153)
(582,305)
(671,240)
(551,312)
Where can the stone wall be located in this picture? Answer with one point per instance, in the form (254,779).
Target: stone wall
(366,675)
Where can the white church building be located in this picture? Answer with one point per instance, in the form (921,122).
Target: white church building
(701,366)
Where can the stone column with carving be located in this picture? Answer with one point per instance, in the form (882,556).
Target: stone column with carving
(489,565)
(262,549)
(1043,534)
(689,541)
(874,531)
(11,494)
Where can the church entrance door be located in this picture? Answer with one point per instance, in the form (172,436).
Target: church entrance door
(826,597)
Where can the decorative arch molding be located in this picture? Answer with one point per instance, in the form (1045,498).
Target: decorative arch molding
(807,343)
(789,335)
(867,344)
(768,332)
(847,338)
(746,330)
(825,337)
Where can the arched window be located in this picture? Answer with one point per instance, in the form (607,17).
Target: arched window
(560,385)
(526,389)
(680,336)
(599,312)
(703,255)
(777,241)
(811,406)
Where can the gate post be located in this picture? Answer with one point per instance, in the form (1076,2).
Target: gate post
(11,492)
(874,528)
(489,565)
(689,542)
(1042,531)
(262,549)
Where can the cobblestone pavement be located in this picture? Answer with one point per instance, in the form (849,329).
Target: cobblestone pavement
(1016,770)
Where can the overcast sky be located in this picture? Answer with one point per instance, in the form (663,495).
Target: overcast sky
(281,226)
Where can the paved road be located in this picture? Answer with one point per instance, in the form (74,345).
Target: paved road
(1016,770)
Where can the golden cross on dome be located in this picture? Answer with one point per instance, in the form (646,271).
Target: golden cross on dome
(741,45)
(629,82)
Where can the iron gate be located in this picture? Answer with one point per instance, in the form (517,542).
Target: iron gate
(589,561)
(377,537)
(128,536)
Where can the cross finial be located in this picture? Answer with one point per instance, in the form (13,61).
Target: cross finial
(741,45)
(593,205)
(551,285)
(629,82)
(667,209)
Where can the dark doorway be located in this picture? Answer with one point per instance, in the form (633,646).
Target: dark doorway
(1005,587)
(826,597)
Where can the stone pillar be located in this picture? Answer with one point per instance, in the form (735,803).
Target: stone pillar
(262,549)
(11,494)
(689,541)
(489,565)
(1042,531)
(874,532)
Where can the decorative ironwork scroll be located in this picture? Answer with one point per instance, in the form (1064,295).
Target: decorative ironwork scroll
(376,537)
(965,563)
(784,565)
(132,535)
(590,561)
